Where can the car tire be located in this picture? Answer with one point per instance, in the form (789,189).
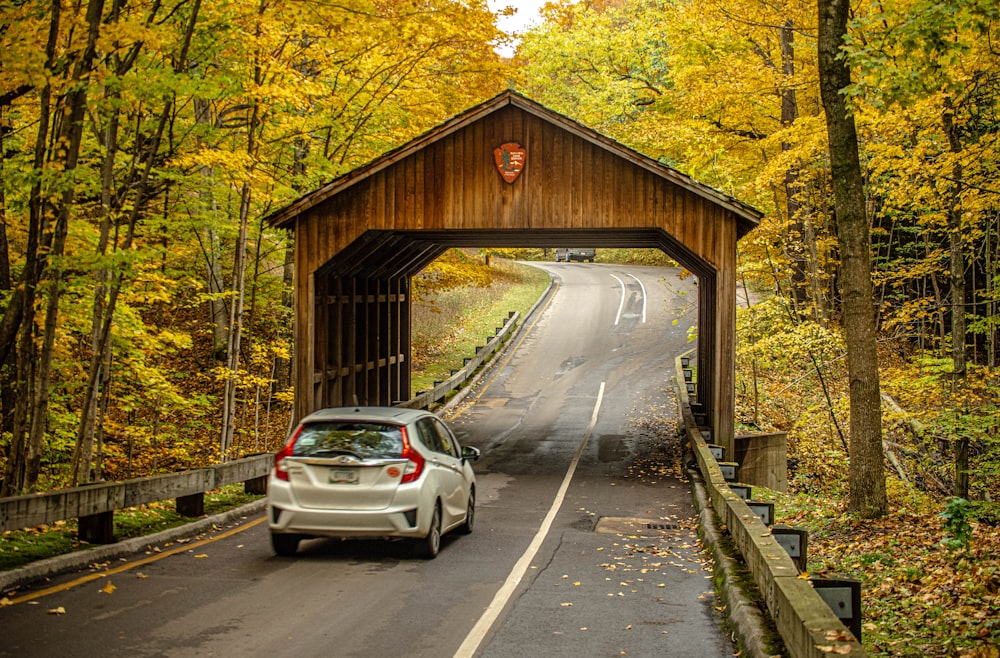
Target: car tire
(429,546)
(470,516)
(285,545)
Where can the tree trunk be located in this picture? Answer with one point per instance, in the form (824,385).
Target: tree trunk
(235,330)
(8,394)
(795,245)
(867,468)
(236,312)
(956,277)
(18,324)
(215,282)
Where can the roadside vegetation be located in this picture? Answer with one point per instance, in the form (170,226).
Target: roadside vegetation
(930,568)
(460,301)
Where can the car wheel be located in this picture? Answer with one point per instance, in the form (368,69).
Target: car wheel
(429,546)
(470,516)
(285,545)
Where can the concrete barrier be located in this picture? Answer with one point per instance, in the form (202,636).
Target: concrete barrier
(807,625)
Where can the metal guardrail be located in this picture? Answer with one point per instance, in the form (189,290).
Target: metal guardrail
(459,377)
(806,623)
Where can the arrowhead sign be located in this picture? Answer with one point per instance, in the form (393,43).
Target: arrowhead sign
(510,159)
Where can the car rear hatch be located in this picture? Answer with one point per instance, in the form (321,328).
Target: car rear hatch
(346,465)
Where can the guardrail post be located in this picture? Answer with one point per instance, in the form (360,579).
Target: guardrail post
(795,541)
(257,486)
(762,509)
(843,595)
(741,490)
(96,528)
(192,505)
(729,471)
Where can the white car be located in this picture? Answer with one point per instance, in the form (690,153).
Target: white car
(371,472)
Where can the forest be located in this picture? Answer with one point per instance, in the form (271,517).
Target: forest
(145,313)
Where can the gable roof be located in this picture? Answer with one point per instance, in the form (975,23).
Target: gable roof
(747,216)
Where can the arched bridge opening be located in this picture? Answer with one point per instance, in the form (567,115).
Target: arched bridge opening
(507,173)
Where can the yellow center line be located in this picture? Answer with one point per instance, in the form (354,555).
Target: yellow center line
(131,565)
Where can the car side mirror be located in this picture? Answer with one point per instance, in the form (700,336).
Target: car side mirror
(470,453)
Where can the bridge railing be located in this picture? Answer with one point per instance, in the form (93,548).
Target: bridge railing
(441,390)
(94,504)
(807,624)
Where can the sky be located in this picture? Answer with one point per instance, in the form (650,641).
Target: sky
(527,13)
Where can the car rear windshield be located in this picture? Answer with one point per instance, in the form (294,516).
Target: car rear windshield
(364,440)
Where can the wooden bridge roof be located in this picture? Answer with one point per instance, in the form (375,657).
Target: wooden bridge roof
(747,216)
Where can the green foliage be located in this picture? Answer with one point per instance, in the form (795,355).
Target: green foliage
(453,269)
(955,522)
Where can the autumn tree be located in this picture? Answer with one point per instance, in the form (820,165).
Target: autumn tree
(867,470)
(141,294)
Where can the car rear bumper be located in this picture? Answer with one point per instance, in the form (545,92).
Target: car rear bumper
(286,516)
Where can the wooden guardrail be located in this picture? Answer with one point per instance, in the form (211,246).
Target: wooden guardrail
(459,377)
(95,504)
(808,626)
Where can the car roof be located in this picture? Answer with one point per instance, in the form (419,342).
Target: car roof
(400,415)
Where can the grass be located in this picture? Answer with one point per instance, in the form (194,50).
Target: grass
(450,326)
(21,547)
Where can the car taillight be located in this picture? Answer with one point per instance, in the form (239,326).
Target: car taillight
(280,470)
(415,461)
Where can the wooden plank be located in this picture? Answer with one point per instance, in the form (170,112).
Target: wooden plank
(36,509)
(161,487)
(418,200)
(241,470)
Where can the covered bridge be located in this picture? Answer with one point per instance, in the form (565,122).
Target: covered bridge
(506,173)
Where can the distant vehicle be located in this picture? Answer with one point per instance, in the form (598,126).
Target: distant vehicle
(372,472)
(573,253)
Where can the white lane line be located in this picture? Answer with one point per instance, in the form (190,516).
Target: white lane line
(503,595)
(621,304)
(643,296)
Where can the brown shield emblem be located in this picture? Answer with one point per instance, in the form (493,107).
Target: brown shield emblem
(510,160)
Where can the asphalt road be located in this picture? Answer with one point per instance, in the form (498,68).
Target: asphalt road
(584,544)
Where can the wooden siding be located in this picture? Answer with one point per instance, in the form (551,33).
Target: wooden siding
(567,182)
